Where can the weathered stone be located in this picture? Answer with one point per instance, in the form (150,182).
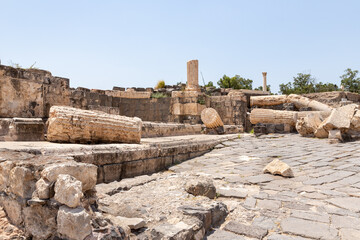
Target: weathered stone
(5,168)
(22,182)
(13,209)
(211,118)
(86,173)
(223,235)
(40,221)
(355,121)
(350,203)
(178,231)
(201,186)
(68,190)
(73,223)
(249,231)
(67,124)
(192,83)
(307,126)
(349,234)
(335,134)
(277,167)
(43,189)
(320,132)
(340,118)
(133,223)
(307,228)
(232,192)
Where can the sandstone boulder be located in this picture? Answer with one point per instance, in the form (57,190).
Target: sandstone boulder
(67,124)
(277,167)
(84,172)
(68,190)
(201,186)
(73,224)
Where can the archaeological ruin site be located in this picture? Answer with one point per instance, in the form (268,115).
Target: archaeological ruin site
(196,163)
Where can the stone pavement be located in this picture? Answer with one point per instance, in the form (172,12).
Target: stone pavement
(322,201)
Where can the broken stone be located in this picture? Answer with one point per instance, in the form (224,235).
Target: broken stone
(133,223)
(5,168)
(249,231)
(232,192)
(22,182)
(355,121)
(42,189)
(68,190)
(178,231)
(277,167)
(335,136)
(40,221)
(307,126)
(66,124)
(13,209)
(84,172)
(201,186)
(73,223)
(340,118)
(211,118)
(321,132)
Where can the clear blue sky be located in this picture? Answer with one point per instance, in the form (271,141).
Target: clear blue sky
(101,44)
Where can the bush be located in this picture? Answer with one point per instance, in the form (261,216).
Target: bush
(158,95)
(160,84)
(235,82)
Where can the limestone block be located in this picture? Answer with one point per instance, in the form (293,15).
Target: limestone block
(5,168)
(43,189)
(73,224)
(335,134)
(355,121)
(40,221)
(202,187)
(277,167)
(132,223)
(22,182)
(68,190)
(308,125)
(211,118)
(340,118)
(13,209)
(67,124)
(84,172)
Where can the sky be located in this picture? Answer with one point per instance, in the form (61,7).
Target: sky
(134,43)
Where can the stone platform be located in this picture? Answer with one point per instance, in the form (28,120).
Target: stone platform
(117,161)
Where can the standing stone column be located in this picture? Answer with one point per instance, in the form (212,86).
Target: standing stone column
(192,76)
(264,81)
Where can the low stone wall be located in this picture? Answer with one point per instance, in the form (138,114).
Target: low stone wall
(151,129)
(22,129)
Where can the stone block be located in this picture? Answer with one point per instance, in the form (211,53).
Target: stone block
(40,221)
(84,172)
(68,190)
(202,187)
(340,118)
(22,182)
(73,224)
(43,189)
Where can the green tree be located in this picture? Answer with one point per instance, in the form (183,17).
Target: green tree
(326,87)
(235,82)
(209,84)
(261,88)
(303,83)
(350,81)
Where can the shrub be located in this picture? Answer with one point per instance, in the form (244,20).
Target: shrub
(160,84)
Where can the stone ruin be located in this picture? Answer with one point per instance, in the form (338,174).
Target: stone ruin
(52,190)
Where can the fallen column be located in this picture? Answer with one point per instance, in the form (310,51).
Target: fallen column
(212,120)
(297,100)
(67,124)
(259,115)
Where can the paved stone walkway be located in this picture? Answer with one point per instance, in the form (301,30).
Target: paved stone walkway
(322,201)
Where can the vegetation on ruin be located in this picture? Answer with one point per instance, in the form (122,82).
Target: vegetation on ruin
(209,84)
(236,82)
(305,83)
(158,95)
(261,88)
(160,84)
(350,81)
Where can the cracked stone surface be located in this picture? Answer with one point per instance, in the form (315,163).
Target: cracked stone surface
(321,201)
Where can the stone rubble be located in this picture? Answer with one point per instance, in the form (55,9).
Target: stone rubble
(277,167)
(68,191)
